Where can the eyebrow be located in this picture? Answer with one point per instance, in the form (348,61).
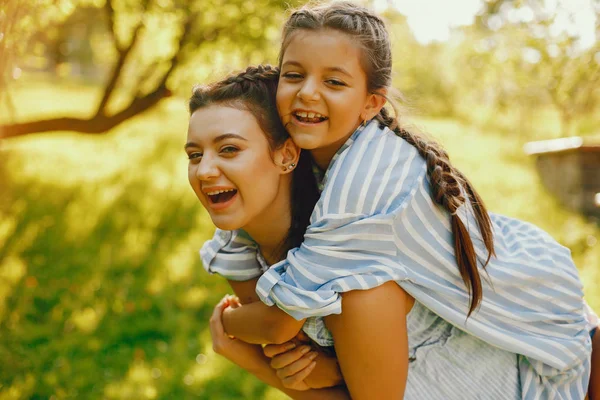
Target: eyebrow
(336,69)
(218,139)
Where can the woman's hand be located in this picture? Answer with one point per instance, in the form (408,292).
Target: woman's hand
(245,355)
(301,367)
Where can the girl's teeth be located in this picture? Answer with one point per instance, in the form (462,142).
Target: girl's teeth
(311,115)
(302,114)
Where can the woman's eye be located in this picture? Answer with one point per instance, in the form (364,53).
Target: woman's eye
(194,156)
(292,75)
(229,150)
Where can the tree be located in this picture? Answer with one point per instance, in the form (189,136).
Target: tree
(540,63)
(143,70)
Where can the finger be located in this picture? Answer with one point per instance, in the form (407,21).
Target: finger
(215,322)
(297,366)
(284,359)
(302,337)
(271,350)
(293,380)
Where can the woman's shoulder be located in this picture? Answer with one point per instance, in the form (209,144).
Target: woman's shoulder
(233,255)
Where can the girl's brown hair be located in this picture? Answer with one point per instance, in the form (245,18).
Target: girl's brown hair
(254,90)
(449,186)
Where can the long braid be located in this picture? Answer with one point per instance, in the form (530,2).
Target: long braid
(449,187)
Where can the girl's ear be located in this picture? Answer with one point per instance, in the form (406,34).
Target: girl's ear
(287,156)
(374,104)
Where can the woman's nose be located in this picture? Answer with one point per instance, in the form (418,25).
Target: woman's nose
(207,169)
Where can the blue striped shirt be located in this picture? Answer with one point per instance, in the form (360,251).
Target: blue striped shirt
(376,222)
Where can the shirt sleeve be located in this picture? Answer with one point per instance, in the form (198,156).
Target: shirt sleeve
(231,255)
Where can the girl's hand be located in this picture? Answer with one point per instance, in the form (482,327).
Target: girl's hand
(299,367)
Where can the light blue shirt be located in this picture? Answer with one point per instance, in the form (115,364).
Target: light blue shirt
(376,222)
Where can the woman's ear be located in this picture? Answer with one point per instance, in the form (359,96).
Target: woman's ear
(287,156)
(374,104)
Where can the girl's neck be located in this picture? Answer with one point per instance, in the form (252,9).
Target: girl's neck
(322,156)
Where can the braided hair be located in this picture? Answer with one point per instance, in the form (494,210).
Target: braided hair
(450,188)
(254,90)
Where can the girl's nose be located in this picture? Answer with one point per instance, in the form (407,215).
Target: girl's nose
(309,91)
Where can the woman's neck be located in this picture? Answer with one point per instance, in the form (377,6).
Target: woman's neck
(270,230)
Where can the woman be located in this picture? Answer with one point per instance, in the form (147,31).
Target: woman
(234,137)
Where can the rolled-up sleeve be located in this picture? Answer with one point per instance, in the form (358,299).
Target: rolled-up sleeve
(231,255)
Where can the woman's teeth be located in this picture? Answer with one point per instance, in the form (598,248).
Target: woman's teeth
(219,192)
(221,196)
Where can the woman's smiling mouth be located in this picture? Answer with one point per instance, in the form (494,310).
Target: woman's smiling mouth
(219,199)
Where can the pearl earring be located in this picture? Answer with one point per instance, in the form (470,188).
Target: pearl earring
(291,166)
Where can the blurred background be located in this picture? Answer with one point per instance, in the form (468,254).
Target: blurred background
(102,293)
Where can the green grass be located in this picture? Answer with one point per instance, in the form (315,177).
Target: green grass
(102,294)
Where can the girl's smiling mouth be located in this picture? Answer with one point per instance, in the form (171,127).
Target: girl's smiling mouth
(308,117)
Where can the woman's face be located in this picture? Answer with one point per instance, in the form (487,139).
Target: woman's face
(322,92)
(231,168)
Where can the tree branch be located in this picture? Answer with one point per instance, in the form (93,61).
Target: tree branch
(123,56)
(95,125)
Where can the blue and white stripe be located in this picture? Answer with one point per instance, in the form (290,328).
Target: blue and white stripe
(376,222)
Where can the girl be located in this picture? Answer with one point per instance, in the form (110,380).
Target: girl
(397,225)
(234,136)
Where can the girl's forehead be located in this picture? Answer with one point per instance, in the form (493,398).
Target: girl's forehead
(323,36)
(327,47)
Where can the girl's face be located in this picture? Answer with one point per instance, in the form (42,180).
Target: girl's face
(322,95)
(231,168)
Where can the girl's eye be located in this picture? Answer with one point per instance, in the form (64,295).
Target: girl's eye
(229,150)
(335,82)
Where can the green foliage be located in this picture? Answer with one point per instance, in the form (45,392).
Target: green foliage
(102,295)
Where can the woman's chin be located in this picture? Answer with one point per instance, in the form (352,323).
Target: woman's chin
(227,225)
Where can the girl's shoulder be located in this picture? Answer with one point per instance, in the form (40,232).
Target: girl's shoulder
(377,168)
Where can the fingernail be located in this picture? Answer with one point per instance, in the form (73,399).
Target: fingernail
(305,349)
(290,346)
(313,355)
(312,364)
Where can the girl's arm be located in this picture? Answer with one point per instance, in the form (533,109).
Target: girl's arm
(251,358)
(371,341)
(256,322)
(245,290)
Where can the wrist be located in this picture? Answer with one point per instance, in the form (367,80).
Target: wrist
(226,319)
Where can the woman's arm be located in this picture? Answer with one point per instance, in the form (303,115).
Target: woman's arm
(371,341)
(291,358)
(251,358)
